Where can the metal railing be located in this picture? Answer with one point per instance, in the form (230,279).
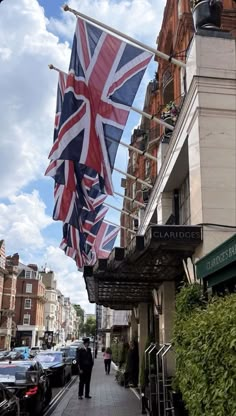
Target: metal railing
(163,381)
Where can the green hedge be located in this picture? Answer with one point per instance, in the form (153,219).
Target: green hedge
(119,352)
(205,345)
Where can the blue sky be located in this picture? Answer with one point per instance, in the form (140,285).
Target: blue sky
(34,34)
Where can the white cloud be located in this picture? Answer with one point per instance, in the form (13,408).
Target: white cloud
(22,222)
(28,89)
(69,281)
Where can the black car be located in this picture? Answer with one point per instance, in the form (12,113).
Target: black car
(9,403)
(72,352)
(28,381)
(57,365)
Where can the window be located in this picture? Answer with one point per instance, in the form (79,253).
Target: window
(27,303)
(134,160)
(28,288)
(26,319)
(147,167)
(28,274)
(133,190)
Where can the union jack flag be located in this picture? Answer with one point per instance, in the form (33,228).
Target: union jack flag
(103,243)
(73,244)
(103,79)
(71,191)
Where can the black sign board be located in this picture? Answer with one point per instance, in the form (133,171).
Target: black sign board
(177,233)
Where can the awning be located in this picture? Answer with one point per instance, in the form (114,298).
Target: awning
(129,275)
(219,265)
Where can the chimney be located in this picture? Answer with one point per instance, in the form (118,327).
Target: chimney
(15,259)
(33,266)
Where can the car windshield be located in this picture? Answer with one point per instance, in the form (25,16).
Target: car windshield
(69,352)
(54,357)
(72,352)
(34,348)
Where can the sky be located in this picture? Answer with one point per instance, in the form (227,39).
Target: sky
(34,34)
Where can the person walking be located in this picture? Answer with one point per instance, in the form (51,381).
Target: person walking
(85,364)
(107,360)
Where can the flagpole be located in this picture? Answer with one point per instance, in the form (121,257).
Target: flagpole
(150,117)
(121,210)
(130,199)
(121,226)
(134,178)
(136,110)
(140,152)
(123,35)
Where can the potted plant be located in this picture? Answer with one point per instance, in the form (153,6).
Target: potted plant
(206,13)
(169,115)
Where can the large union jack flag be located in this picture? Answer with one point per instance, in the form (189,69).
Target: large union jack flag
(103,243)
(103,79)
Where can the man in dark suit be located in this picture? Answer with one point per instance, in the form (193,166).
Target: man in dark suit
(85,362)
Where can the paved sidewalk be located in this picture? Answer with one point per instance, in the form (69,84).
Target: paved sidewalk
(108,398)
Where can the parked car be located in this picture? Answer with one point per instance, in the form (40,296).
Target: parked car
(34,351)
(3,354)
(72,352)
(29,382)
(25,351)
(57,365)
(13,355)
(9,404)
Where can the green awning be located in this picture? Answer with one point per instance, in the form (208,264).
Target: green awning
(220,264)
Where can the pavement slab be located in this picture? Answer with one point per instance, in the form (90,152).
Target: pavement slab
(108,398)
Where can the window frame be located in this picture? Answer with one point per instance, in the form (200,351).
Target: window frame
(30,303)
(25,316)
(27,288)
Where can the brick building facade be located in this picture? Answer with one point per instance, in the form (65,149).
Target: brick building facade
(30,301)
(8,274)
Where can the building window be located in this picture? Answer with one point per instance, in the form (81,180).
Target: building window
(28,288)
(133,190)
(147,167)
(27,303)
(134,160)
(184,202)
(26,319)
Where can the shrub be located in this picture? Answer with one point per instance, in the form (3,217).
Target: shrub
(205,346)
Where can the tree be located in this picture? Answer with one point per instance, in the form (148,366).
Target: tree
(89,328)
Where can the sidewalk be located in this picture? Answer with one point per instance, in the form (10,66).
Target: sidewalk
(108,398)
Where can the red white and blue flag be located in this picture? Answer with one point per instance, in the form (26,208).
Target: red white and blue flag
(103,243)
(103,79)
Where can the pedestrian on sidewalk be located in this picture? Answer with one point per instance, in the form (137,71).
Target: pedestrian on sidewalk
(107,360)
(132,365)
(85,364)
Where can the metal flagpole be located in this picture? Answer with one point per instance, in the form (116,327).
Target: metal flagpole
(140,152)
(121,226)
(150,117)
(134,178)
(143,113)
(123,35)
(130,199)
(121,210)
